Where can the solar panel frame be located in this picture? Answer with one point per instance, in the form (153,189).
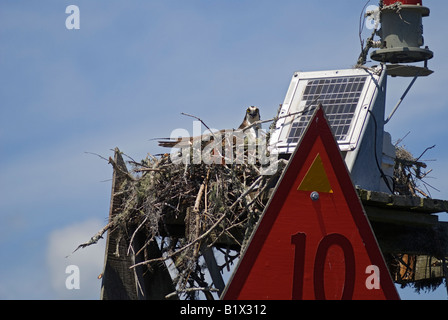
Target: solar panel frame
(346,95)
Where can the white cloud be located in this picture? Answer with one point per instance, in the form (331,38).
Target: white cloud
(61,243)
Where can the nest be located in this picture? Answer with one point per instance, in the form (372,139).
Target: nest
(215,206)
(409,174)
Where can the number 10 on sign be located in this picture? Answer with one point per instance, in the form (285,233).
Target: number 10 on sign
(338,240)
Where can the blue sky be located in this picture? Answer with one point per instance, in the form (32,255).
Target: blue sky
(126,75)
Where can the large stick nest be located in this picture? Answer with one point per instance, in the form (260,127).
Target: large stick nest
(217,205)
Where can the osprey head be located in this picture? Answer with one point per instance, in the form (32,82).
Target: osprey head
(252,114)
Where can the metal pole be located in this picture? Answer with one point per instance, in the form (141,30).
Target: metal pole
(402,98)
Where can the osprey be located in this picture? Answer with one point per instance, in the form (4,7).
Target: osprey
(252,116)
(249,126)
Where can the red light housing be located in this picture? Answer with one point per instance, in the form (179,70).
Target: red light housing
(407,2)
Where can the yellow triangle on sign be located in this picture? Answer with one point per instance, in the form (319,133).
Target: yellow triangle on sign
(316,178)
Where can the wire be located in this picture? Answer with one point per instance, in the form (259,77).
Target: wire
(383,175)
(362,19)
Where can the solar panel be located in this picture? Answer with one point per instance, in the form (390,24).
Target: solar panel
(346,96)
(339,97)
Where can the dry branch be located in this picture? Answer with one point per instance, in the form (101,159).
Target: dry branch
(95,238)
(173,294)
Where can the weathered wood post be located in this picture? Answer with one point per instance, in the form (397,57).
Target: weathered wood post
(120,282)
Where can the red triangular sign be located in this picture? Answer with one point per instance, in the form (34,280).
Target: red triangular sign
(314,240)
